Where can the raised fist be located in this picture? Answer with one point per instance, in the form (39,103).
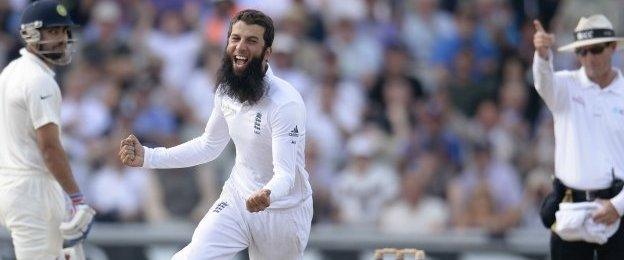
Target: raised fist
(131,152)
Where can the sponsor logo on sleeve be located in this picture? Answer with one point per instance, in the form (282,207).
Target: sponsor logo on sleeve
(294,133)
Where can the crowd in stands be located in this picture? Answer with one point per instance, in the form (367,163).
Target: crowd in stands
(421,114)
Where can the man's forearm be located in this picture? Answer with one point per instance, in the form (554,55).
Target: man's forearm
(200,150)
(56,161)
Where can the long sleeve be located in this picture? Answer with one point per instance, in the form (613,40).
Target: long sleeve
(288,131)
(546,82)
(200,150)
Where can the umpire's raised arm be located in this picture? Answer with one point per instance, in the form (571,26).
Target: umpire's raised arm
(543,72)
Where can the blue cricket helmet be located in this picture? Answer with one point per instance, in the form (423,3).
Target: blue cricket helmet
(44,14)
(48,13)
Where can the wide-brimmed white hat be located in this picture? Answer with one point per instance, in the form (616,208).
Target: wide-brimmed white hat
(593,30)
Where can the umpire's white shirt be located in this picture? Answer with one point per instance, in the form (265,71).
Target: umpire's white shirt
(269,137)
(589,126)
(29,98)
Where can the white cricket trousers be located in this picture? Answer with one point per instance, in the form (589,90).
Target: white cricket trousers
(32,207)
(228,228)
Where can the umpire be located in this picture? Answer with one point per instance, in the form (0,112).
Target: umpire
(588,110)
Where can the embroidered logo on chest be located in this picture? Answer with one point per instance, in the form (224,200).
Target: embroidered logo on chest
(257,123)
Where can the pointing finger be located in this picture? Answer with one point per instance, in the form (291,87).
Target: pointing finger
(538,26)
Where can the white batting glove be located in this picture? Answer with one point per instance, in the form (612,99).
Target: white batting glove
(77,228)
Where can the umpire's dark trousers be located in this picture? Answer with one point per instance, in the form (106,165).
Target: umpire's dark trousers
(580,250)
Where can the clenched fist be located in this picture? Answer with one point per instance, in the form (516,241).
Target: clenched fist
(131,152)
(259,200)
(542,40)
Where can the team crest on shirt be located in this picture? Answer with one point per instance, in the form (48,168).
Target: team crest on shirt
(257,122)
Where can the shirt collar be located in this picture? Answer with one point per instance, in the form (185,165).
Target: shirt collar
(616,86)
(269,74)
(27,54)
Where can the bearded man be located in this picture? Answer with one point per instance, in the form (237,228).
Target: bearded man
(266,204)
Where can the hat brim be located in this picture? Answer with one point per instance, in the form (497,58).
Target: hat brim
(577,44)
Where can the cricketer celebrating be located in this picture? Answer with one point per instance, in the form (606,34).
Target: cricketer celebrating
(266,204)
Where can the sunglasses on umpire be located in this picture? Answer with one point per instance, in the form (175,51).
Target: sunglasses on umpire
(595,50)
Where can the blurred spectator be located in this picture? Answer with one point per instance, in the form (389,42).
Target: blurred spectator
(351,46)
(396,65)
(487,126)
(416,212)
(8,27)
(218,20)
(104,31)
(424,26)
(487,195)
(341,100)
(117,192)
(468,36)
(321,180)
(498,21)
(173,29)
(378,21)
(307,29)
(154,121)
(198,94)
(434,148)
(393,113)
(283,63)
(276,10)
(537,186)
(366,186)
(463,88)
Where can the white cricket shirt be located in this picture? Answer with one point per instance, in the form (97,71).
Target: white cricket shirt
(29,98)
(269,137)
(589,126)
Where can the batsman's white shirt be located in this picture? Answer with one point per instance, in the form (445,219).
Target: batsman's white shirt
(31,200)
(29,99)
(589,126)
(270,139)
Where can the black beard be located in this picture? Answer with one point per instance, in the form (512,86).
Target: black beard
(248,87)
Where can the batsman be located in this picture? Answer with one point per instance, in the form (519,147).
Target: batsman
(34,170)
